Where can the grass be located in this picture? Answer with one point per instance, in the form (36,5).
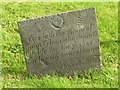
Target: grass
(14,68)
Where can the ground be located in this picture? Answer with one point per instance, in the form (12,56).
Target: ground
(14,68)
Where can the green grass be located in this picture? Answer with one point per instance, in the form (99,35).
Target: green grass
(14,68)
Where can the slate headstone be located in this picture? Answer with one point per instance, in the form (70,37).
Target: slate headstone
(64,43)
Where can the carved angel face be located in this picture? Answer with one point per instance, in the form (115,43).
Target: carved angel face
(56,21)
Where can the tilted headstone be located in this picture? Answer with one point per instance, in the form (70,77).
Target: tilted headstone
(64,43)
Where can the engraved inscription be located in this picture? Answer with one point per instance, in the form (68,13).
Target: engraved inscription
(65,43)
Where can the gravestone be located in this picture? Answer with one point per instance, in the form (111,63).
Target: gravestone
(64,43)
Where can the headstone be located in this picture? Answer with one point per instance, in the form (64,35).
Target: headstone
(64,43)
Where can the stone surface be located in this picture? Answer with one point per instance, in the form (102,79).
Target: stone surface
(64,43)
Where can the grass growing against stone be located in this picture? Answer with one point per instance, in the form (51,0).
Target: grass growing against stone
(14,68)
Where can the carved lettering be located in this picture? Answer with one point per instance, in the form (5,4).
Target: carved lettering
(64,43)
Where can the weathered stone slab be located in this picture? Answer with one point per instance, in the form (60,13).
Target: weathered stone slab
(64,43)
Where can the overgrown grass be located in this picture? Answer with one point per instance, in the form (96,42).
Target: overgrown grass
(14,68)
